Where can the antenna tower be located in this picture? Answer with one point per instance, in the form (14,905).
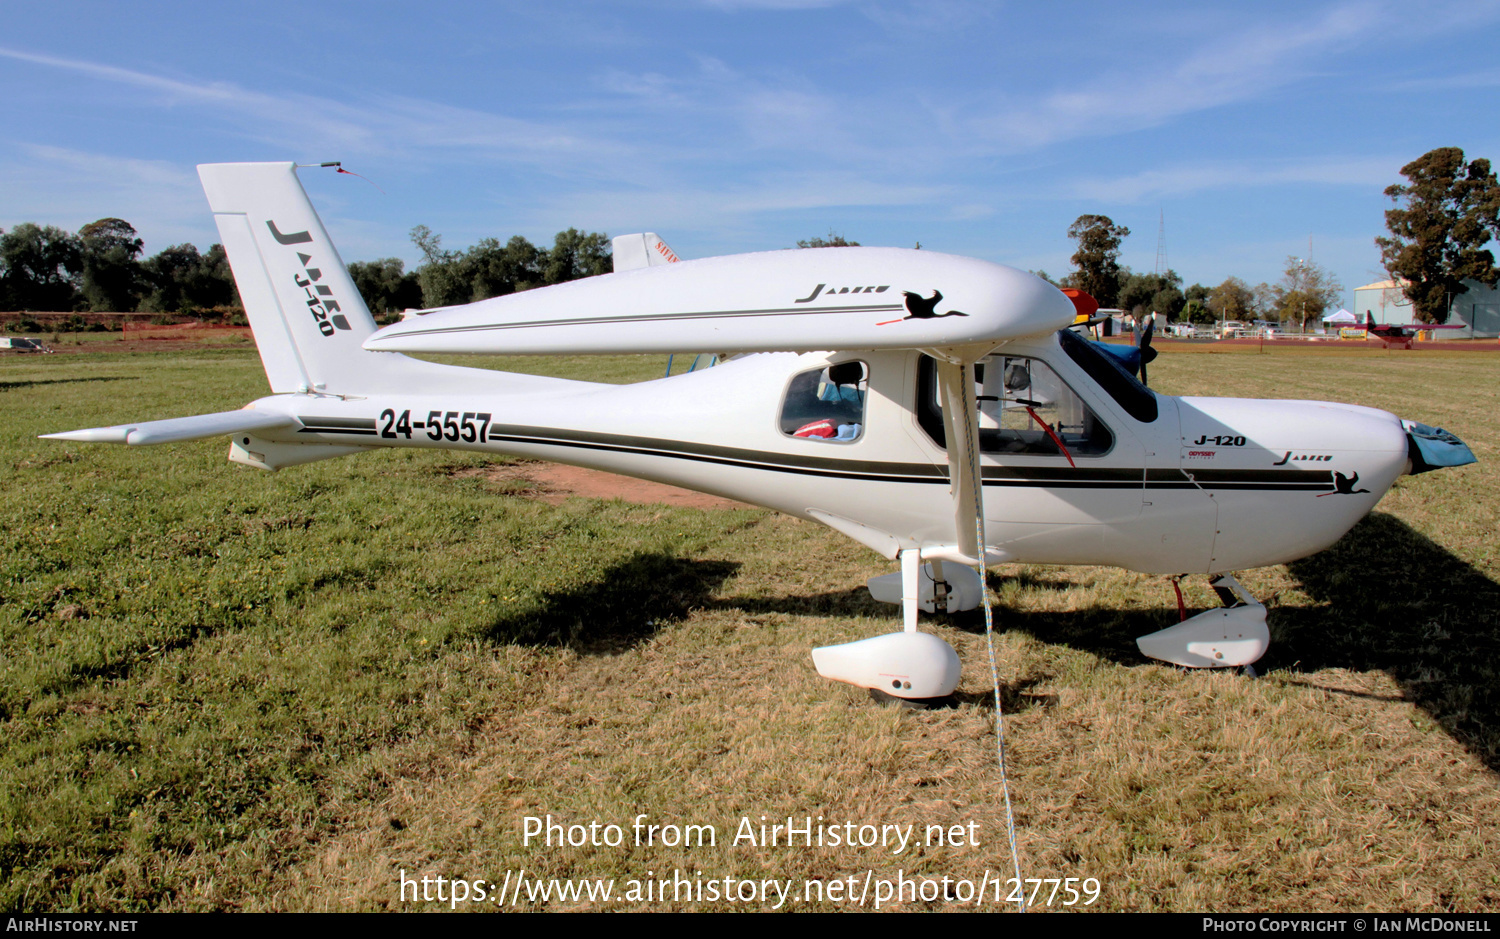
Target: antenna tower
(1161,243)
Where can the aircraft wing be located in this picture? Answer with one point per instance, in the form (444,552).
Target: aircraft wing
(179,429)
(1369,325)
(1414,327)
(782,301)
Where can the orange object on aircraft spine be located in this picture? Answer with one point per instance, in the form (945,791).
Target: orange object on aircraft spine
(1082,302)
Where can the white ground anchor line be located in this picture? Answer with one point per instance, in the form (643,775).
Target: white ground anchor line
(989,628)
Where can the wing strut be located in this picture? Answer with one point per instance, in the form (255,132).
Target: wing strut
(955,370)
(962,432)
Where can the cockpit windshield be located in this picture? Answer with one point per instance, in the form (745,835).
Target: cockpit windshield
(1126,390)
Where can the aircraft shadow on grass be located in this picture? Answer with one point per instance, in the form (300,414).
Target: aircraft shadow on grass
(1385,597)
(632,600)
(1389,598)
(623,607)
(14,385)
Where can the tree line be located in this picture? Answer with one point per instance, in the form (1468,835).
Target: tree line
(1446,213)
(100,269)
(1305,290)
(488,268)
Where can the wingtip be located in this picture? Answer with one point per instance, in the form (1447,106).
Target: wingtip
(118,434)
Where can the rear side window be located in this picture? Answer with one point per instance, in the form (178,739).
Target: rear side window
(827,403)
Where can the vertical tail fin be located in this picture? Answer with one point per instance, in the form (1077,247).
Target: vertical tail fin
(308,318)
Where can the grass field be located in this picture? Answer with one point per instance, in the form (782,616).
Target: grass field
(224,689)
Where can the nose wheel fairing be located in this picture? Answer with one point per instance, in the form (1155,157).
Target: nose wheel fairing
(1229,637)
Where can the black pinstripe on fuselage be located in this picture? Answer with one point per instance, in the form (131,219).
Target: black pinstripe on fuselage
(1045,477)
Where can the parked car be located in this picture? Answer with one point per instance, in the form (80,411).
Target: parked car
(22,345)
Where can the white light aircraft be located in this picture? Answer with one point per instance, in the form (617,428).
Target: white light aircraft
(940,364)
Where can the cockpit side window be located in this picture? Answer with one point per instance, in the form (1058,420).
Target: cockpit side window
(827,403)
(1137,400)
(1024,407)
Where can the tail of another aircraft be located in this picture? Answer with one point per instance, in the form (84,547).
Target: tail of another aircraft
(309,320)
(632,252)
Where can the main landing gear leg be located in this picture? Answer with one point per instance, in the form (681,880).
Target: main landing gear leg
(1232,636)
(907,664)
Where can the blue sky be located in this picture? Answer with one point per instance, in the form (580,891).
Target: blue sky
(980,129)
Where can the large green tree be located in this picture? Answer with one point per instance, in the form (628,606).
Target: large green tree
(442,281)
(385,286)
(1232,300)
(169,272)
(1305,291)
(181,280)
(1445,214)
(39,268)
(212,284)
(497,270)
(1195,310)
(1097,260)
(575,255)
(113,280)
(1141,294)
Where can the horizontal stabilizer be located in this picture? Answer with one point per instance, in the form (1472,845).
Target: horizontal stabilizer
(179,429)
(779,301)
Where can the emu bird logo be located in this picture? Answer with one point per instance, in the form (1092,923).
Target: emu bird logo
(919,307)
(1343,486)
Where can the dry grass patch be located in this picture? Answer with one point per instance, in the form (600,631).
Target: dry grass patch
(233,690)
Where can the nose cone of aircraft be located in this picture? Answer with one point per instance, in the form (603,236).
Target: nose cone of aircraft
(1319,427)
(1288,478)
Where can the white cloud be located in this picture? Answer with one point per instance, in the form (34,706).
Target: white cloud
(1234,65)
(1484,78)
(930,16)
(69,188)
(382,125)
(670,209)
(772,4)
(1189,178)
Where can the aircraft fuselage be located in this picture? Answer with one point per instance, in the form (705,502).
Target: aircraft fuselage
(1208,485)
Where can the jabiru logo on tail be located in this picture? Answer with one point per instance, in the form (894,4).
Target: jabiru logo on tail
(320,302)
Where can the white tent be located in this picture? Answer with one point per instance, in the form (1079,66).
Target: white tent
(1342,316)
